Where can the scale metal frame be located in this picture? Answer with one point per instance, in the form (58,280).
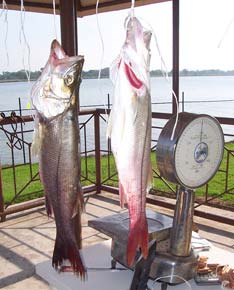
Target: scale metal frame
(201,131)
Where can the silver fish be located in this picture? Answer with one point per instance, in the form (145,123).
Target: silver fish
(130,131)
(54,97)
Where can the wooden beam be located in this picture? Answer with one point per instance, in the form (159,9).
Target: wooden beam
(112,6)
(89,8)
(68,24)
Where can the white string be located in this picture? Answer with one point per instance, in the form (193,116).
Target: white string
(170,276)
(25,44)
(164,72)
(54,10)
(132,8)
(102,56)
(225,32)
(4,13)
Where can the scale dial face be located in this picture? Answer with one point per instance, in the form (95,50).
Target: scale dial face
(199,151)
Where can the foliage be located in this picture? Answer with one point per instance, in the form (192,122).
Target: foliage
(216,185)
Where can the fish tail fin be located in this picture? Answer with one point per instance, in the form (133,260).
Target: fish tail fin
(64,250)
(138,238)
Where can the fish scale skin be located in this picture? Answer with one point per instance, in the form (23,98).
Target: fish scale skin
(129,128)
(60,174)
(56,141)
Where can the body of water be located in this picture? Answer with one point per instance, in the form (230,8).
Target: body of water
(210,95)
(94,92)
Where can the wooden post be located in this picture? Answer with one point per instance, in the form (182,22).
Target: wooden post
(68,24)
(3,217)
(175,44)
(97,150)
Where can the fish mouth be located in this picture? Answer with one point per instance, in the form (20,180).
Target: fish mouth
(59,57)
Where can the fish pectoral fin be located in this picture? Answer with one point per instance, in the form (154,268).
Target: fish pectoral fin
(109,126)
(37,134)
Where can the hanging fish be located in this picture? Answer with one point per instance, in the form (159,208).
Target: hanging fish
(129,128)
(54,97)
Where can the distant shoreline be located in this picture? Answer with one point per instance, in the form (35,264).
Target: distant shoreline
(8,77)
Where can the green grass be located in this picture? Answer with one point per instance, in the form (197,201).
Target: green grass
(216,185)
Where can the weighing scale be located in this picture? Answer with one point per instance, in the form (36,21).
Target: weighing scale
(189,158)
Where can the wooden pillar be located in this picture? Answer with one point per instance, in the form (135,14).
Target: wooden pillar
(2,218)
(175,44)
(68,23)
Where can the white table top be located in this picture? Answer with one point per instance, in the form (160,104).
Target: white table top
(98,256)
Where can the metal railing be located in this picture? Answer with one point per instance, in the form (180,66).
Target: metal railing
(17,131)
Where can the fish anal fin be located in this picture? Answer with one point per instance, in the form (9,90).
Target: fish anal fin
(150,177)
(79,204)
(77,230)
(48,206)
(137,239)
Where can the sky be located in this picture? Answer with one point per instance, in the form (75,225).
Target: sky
(202,26)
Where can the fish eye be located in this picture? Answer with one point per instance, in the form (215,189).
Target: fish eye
(69,80)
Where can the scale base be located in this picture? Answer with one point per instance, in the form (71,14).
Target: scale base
(173,267)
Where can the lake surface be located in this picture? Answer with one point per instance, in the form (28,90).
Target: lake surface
(211,95)
(94,92)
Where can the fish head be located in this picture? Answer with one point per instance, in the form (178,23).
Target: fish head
(136,55)
(54,91)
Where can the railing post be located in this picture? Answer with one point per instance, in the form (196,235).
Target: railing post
(97,150)
(3,217)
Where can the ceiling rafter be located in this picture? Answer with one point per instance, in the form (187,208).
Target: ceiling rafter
(83,7)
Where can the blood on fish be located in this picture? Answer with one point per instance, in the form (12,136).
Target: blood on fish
(134,81)
(129,128)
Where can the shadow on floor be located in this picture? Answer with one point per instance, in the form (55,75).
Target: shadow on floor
(26,268)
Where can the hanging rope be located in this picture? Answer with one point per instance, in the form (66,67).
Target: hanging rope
(164,72)
(25,42)
(4,14)
(225,32)
(54,11)
(132,8)
(102,56)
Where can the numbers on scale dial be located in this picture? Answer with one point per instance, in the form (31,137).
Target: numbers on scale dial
(198,152)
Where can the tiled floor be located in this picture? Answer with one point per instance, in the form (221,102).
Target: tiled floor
(28,238)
